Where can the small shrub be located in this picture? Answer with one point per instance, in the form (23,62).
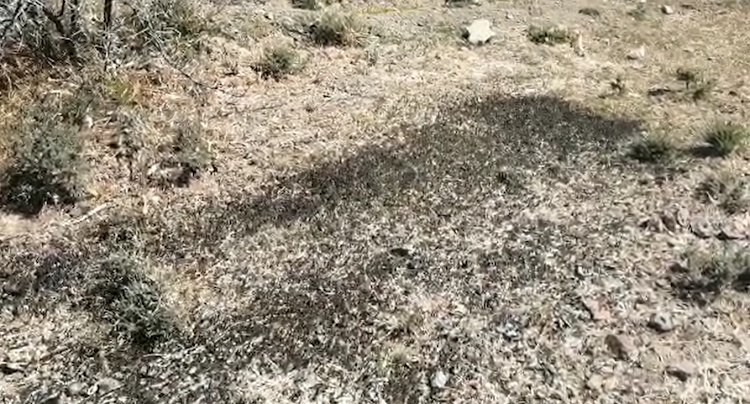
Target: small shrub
(652,149)
(334,29)
(730,192)
(725,138)
(279,62)
(548,35)
(131,302)
(45,163)
(186,157)
(174,25)
(706,275)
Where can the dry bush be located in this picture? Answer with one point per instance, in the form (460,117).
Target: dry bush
(724,138)
(278,62)
(334,29)
(705,275)
(652,149)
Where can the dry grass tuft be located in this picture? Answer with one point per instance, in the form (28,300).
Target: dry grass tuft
(653,149)
(729,190)
(725,138)
(337,29)
(548,35)
(705,275)
(279,62)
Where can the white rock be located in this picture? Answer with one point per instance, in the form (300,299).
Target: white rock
(439,379)
(638,53)
(479,32)
(667,9)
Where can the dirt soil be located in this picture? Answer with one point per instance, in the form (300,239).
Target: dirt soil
(412,220)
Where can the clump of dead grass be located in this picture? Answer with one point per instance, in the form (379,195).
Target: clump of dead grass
(279,62)
(45,162)
(730,191)
(653,149)
(705,275)
(724,138)
(186,157)
(337,29)
(174,26)
(548,35)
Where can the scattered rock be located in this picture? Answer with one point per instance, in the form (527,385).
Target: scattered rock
(682,216)
(637,54)
(661,322)
(620,345)
(439,380)
(667,9)
(76,389)
(595,383)
(479,32)
(669,220)
(731,231)
(681,370)
(11,367)
(108,384)
(653,223)
(702,228)
(597,310)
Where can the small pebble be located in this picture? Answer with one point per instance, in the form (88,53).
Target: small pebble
(661,322)
(667,9)
(108,384)
(76,389)
(439,379)
(620,345)
(682,371)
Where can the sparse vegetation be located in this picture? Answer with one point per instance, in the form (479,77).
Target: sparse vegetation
(652,149)
(401,218)
(337,29)
(131,302)
(278,62)
(45,163)
(172,26)
(705,275)
(725,138)
(548,35)
(186,157)
(730,191)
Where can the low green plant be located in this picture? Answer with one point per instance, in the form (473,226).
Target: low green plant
(279,62)
(131,302)
(336,29)
(548,35)
(652,149)
(724,138)
(45,163)
(705,275)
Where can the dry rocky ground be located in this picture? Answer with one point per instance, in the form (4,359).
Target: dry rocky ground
(404,217)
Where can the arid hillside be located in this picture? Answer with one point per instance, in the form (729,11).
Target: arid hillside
(302,201)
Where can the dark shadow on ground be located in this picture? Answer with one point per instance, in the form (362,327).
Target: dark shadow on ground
(310,317)
(477,147)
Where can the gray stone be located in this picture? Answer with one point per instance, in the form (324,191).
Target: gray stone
(702,228)
(667,9)
(439,380)
(76,389)
(661,322)
(108,384)
(681,370)
(479,32)
(621,346)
